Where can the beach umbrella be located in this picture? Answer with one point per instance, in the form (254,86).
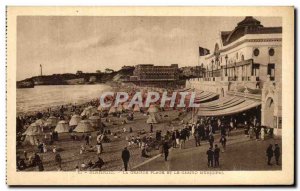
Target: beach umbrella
(84,126)
(153,109)
(51,121)
(62,127)
(74,120)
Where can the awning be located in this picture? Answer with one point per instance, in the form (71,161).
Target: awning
(205,96)
(227,106)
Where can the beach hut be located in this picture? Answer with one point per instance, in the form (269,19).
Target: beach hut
(62,127)
(84,126)
(51,121)
(136,108)
(74,120)
(33,133)
(95,121)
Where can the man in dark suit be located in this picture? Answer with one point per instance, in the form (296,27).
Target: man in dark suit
(277,153)
(269,153)
(210,157)
(216,156)
(166,150)
(125,157)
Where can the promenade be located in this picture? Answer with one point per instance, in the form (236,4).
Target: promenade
(241,154)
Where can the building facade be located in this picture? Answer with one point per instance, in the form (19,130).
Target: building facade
(247,60)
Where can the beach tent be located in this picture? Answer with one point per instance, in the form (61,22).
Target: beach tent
(153,109)
(120,108)
(51,121)
(100,108)
(136,108)
(84,126)
(62,127)
(126,106)
(95,121)
(89,111)
(33,133)
(40,122)
(152,118)
(74,120)
(112,110)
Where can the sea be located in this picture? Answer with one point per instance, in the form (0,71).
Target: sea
(43,97)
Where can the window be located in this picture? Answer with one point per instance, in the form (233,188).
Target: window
(271,52)
(271,71)
(256,52)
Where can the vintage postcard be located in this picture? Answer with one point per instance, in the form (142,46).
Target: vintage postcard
(150,96)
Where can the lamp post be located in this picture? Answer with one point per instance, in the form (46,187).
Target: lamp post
(226,58)
(212,68)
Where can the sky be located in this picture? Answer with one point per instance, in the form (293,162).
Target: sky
(66,44)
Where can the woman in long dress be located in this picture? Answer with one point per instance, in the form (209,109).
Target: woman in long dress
(262,133)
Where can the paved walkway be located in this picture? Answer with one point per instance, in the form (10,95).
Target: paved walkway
(241,154)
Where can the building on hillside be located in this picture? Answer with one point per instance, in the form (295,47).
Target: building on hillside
(247,61)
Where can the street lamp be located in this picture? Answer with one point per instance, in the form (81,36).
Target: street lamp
(212,68)
(226,58)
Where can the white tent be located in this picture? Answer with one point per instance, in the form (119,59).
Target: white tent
(152,118)
(40,122)
(136,108)
(51,121)
(84,126)
(33,133)
(126,106)
(89,111)
(62,127)
(112,110)
(95,121)
(74,120)
(153,109)
(120,108)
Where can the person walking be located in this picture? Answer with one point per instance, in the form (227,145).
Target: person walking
(58,161)
(210,157)
(211,140)
(125,157)
(166,150)
(223,141)
(262,133)
(269,153)
(151,128)
(216,156)
(197,137)
(277,153)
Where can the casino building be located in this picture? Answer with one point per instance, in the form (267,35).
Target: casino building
(246,63)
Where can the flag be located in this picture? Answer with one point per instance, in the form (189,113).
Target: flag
(203,51)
